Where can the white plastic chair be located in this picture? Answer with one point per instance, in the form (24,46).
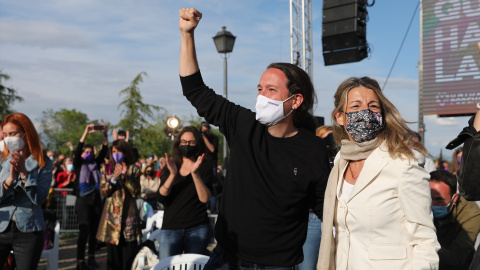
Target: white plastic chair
(182,262)
(155,220)
(52,254)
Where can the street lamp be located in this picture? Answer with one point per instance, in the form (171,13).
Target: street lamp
(224,41)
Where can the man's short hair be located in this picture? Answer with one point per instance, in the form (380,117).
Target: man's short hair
(122,133)
(205,124)
(445,177)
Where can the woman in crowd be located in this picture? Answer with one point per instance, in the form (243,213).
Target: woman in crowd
(88,205)
(378,197)
(65,179)
(184,193)
(120,224)
(25,178)
(456,160)
(149,184)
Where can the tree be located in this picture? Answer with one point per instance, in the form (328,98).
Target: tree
(8,96)
(60,127)
(133,110)
(152,138)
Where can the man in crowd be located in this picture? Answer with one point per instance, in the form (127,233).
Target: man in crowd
(211,142)
(456,219)
(278,168)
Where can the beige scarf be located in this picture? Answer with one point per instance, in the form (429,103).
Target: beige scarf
(348,151)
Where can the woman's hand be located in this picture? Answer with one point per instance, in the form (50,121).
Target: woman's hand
(18,162)
(197,164)
(172,167)
(189,19)
(118,170)
(89,129)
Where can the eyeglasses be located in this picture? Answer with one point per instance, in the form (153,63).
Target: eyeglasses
(192,143)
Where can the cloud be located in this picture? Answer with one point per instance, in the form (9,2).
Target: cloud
(43,34)
(446,121)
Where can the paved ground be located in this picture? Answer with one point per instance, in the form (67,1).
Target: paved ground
(68,253)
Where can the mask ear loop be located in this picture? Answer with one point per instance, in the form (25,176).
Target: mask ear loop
(452,204)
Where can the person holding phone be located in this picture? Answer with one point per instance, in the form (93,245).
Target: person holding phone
(88,205)
(25,177)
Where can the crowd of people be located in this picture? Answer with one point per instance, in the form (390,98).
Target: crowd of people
(362,193)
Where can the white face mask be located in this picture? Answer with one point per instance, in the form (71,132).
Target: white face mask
(14,143)
(269,111)
(2,146)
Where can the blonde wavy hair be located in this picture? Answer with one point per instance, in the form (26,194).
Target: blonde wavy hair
(395,132)
(322,130)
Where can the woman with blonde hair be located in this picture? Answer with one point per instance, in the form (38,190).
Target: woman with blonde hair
(378,197)
(25,177)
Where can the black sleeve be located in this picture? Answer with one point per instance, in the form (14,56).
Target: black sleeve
(469,174)
(316,199)
(101,156)
(214,108)
(77,158)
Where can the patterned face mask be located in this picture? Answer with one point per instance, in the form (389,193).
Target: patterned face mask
(364,125)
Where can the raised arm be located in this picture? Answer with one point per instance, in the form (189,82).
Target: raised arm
(189,19)
(476,121)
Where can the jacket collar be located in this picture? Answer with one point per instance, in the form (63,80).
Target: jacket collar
(31,163)
(374,164)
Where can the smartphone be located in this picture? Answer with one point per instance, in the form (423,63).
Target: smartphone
(98,127)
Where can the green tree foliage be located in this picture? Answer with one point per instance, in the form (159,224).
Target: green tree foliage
(8,96)
(134,112)
(152,138)
(145,122)
(60,127)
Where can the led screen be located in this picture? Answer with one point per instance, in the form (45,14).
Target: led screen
(450,56)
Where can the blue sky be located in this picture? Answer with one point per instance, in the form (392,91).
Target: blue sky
(80,54)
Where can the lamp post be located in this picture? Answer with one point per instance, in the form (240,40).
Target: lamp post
(172,124)
(224,41)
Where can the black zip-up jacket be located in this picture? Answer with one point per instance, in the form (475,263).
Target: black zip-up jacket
(469,174)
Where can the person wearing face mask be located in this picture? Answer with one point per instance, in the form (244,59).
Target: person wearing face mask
(378,197)
(456,160)
(88,205)
(25,179)
(66,178)
(120,224)
(184,191)
(456,219)
(277,168)
(149,183)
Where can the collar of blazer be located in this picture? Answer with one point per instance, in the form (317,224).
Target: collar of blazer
(373,165)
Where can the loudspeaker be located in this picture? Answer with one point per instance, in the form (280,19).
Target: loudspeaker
(344,31)
(345,56)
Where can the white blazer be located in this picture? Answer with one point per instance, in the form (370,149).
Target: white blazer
(386,222)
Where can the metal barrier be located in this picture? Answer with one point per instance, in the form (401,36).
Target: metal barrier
(64,204)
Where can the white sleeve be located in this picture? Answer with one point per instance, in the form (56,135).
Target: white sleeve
(415,199)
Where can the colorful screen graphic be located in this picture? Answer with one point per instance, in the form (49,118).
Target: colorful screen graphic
(450,56)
